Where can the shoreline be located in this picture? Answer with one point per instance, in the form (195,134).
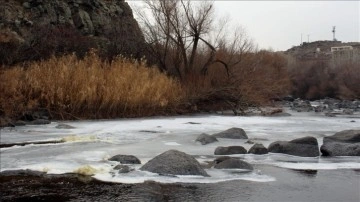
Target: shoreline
(291,185)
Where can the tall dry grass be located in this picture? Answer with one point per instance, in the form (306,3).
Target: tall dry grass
(70,88)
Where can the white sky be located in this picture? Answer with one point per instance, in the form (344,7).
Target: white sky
(279,24)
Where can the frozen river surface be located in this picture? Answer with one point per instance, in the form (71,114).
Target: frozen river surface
(90,144)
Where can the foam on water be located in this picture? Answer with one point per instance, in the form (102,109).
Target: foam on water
(215,177)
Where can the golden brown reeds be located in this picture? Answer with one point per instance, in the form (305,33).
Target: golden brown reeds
(69,87)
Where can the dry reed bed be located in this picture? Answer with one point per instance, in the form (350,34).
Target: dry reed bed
(69,87)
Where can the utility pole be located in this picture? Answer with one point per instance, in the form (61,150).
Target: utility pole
(301,39)
(333,31)
(308,38)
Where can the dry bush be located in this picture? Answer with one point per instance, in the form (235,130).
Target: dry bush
(259,78)
(319,79)
(69,88)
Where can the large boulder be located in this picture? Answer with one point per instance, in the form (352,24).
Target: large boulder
(344,143)
(230,150)
(233,163)
(258,149)
(125,159)
(206,139)
(305,147)
(174,162)
(232,133)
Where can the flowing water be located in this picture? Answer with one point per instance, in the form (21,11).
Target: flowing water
(88,146)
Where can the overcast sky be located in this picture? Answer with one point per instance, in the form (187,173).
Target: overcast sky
(279,24)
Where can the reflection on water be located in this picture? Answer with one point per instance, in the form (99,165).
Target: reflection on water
(306,173)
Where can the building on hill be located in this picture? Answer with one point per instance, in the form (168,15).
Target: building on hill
(326,50)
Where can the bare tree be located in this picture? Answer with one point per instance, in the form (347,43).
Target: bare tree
(175,30)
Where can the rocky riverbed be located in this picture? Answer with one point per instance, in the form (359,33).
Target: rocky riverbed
(74,163)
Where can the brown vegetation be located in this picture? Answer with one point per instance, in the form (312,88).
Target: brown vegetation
(200,66)
(70,88)
(319,79)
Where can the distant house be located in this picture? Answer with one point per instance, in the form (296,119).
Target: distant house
(341,53)
(341,48)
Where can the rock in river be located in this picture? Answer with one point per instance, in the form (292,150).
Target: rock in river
(230,150)
(258,149)
(344,143)
(232,133)
(174,162)
(206,139)
(125,159)
(233,163)
(305,147)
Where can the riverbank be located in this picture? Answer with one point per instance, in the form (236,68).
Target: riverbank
(291,185)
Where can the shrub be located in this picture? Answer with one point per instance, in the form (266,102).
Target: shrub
(256,80)
(70,88)
(319,79)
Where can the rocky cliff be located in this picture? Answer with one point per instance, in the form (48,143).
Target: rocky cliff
(107,23)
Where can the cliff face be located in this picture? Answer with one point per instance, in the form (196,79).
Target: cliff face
(108,21)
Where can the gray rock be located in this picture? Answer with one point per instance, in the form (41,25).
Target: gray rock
(221,159)
(20,123)
(64,126)
(99,21)
(301,105)
(348,111)
(344,143)
(174,162)
(232,133)
(39,122)
(305,147)
(122,168)
(125,159)
(26,5)
(233,163)
(258,149)
(205,139)
(230,150)
(83,21)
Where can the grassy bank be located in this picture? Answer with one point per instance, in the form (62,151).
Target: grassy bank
(90,88)
(71,88)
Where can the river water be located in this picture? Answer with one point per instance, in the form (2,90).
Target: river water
(277,177)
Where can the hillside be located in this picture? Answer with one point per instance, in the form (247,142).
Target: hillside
(30,29)
(319,50)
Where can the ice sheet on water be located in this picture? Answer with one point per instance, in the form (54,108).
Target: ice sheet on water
(91,143)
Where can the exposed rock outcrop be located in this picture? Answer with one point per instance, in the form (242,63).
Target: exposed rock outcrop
(206,139)
(233,163)
(305,147)
(258,149)
(122,168)
(105,22)
(232,133)
(174,162)
(230,150)
(125,159)
(344,143)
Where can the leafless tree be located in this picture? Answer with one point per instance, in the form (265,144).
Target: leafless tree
(180,31)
